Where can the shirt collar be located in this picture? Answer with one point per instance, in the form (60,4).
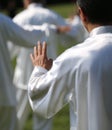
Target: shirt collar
(32,5)
(101,30)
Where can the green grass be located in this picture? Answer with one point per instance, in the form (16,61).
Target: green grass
(61,119)
(63,9)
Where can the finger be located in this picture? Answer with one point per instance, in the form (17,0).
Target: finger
(39,48)
(32,57)
(50,64)
(44,49)
(35,51)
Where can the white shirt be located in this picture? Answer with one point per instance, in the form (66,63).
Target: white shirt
(82,75)
(11,32)
(35,14)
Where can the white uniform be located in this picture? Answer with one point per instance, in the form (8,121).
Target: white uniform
(14,33)
(82,75)
(35,14)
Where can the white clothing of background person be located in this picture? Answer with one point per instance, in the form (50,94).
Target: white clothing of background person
(9,31)
(78,30)
(84,79)
(34,14)
(22,73)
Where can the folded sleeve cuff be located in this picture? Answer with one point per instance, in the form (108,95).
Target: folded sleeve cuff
(39,70)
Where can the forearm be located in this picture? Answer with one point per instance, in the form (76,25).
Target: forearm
(44,93)
(36,94)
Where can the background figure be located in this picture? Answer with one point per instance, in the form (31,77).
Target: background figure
(34,14)
(78,30)
(11,31)
(82,75)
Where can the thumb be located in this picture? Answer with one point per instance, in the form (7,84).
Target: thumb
(50,63)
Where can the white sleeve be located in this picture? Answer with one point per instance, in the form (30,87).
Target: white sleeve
(13,49)
(24,37)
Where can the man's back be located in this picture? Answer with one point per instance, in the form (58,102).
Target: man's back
(35,14)
(94,81)
(86,73)
(85,79)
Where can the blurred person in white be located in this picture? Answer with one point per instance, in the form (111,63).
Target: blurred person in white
(35,14)
(81,75)
(9,31)
(78,30)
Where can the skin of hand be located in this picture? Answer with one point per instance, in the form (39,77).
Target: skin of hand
(63,29)
(39,56)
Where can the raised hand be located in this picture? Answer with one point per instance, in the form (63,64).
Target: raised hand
(39,58)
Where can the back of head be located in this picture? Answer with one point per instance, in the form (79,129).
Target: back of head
(97,11)
(37,1)
(28,2)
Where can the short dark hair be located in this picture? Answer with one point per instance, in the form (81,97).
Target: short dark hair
(97,11)
(37,1)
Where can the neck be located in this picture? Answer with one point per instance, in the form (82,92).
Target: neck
(90,26)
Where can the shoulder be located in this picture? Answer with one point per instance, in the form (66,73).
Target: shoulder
(49,11)
(3,17)
(5,20)
(20,14)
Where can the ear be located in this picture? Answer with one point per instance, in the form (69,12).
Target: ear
(82,15)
